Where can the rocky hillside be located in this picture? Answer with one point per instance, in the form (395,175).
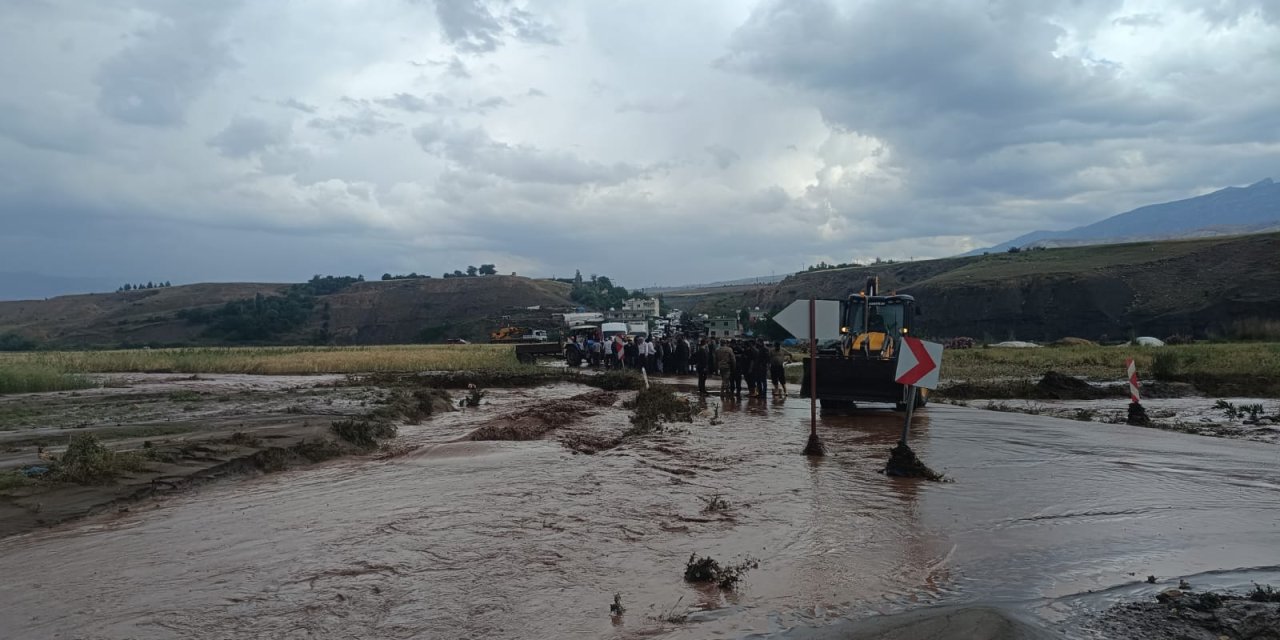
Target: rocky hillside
(1194,287)
(394,311)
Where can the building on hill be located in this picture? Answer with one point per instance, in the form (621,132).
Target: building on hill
(723,327)
(634,310)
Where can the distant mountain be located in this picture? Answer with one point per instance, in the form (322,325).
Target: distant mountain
(1230,211)
(36,286)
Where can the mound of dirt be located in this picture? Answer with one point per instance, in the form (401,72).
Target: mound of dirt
(1073,342)
(1201,616)
(904,463)
(1057,386)
(534,422)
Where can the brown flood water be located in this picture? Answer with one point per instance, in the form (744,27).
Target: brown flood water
(526,540)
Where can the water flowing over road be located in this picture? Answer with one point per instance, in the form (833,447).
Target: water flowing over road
(527,540)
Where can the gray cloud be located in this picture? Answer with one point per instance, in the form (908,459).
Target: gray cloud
(153,79)
(406,102)
(476,26)
(754,138)
(294,103)
(245,136)
(723,156)
(473,150)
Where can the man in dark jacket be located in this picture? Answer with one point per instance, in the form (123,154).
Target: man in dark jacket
(682,356)
(704,361)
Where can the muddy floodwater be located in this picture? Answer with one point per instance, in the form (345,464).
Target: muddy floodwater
(1046,518)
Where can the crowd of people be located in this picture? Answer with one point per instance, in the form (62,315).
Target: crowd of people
(749,364)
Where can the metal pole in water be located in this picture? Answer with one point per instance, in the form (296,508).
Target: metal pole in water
(813,369)
(911,407)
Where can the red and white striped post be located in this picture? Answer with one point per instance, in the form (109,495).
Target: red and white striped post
(1132,370)
(1137,414)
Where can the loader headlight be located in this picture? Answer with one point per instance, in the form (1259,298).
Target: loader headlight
(904,331)
(844,329)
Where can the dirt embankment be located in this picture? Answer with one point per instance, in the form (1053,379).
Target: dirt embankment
(163,434)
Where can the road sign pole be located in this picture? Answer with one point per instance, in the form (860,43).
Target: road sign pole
(813,369)
(814,446)
(911,407)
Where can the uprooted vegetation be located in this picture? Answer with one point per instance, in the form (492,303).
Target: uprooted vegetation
(708,569)
(654,406)
(88,461)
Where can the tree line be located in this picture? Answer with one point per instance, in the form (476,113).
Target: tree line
(137,287)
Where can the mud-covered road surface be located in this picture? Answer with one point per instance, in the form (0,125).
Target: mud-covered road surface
(454,538)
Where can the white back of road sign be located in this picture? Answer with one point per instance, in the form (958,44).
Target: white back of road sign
(919,363)
(795,319)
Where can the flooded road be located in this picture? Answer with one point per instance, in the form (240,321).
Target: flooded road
(527,540)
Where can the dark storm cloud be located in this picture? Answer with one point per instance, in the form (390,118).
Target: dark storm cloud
(153,79)
(940,79)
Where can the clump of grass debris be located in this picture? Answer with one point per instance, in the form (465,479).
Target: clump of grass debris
(1248,412)
(413,406)
(1264,593)
(87,461)
(707,569)
(655,405)
(474,396)
(364,432)
(715,504)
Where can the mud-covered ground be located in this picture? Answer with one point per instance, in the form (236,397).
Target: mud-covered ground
(1196,415)
(193,429)
(526,515)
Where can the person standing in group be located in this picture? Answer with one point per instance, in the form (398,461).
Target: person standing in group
(742,366)
(682,355)
(761,367)
(703,360)
(778,369)
(724,359)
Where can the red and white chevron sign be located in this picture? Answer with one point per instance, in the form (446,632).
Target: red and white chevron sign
(919,363)
(1132,370)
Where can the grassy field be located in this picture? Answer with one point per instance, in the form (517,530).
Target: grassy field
(28,377)
(59,370)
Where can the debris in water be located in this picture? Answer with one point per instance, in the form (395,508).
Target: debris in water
(616,608)
(709,570)
(904,463)
(1151,579)
(1137,415)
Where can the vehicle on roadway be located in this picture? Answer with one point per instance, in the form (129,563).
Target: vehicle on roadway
(861,365)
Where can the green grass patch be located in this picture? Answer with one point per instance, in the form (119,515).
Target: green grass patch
(27,377)
(10,480)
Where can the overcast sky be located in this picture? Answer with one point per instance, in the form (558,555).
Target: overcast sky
(652,141)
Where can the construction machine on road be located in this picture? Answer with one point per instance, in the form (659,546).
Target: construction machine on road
(861,365)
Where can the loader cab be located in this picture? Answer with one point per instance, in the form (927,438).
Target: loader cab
(871,325)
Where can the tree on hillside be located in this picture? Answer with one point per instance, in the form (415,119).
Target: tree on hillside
(471,271)
(577,278)
(488,270)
